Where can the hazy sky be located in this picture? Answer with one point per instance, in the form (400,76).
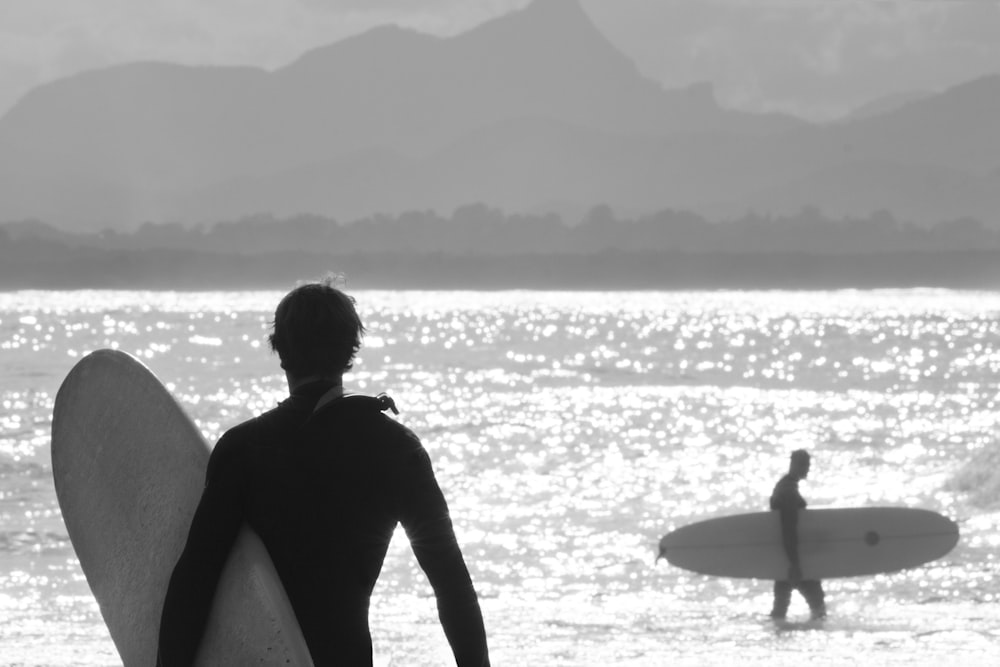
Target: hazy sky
(816,58)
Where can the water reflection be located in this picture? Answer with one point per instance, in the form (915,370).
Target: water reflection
(570,431)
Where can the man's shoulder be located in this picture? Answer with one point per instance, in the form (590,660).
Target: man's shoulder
(787,487)
(241,432)
(358,411)
(267,427)
(786,493)
(236,439)
(391,434)
(246,431)
(787,481)
(278,419)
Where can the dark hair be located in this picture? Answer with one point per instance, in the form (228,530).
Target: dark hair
(316,330)
(799,455)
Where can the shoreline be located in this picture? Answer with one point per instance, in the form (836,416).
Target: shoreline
(184,270)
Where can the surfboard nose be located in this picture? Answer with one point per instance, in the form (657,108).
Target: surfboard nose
(663,550)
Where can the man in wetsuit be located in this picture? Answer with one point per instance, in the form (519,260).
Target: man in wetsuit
(787,500)
(323,479)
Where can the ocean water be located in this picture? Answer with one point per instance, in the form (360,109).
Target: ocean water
(570,431)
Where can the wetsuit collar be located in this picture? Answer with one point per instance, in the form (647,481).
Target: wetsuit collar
(313,390)
(310,384)
(332,393)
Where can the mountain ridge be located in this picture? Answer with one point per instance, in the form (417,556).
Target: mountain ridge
(535,106)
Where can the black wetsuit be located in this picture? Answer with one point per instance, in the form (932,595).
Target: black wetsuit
(324,491)
(787,500)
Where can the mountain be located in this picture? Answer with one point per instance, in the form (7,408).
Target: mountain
(959,128)
(931,159)
(925,163)
(127,143)
(533,109)
(884,104)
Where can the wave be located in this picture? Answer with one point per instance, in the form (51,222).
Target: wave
(979,478)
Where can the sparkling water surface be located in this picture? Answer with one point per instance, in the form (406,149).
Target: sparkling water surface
(570,431)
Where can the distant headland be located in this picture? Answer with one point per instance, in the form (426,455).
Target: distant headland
(478,247)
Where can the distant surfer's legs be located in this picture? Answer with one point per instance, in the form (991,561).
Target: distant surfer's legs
(811,590)
(782,597)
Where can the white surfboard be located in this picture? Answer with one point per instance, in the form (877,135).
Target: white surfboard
(129,469)
(833,543)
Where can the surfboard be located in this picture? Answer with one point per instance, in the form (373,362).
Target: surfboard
(129,468)
(849,542)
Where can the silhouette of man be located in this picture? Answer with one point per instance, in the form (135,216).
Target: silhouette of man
(323,479)
(787,500)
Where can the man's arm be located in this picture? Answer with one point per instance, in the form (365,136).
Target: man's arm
(428,525)
(214,528)
(790,540)
(787,500)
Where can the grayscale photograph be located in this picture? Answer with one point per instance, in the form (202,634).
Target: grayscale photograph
(577,333)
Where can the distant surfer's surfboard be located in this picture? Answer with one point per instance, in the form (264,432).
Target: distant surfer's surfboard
(832,543)
(129,469)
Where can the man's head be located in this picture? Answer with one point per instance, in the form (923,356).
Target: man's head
(799,464)
(317,331)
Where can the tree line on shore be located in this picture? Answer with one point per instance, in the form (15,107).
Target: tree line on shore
(482,248)
(481,230)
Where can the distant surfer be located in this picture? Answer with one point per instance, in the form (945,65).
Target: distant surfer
(323,479)
(787,500)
